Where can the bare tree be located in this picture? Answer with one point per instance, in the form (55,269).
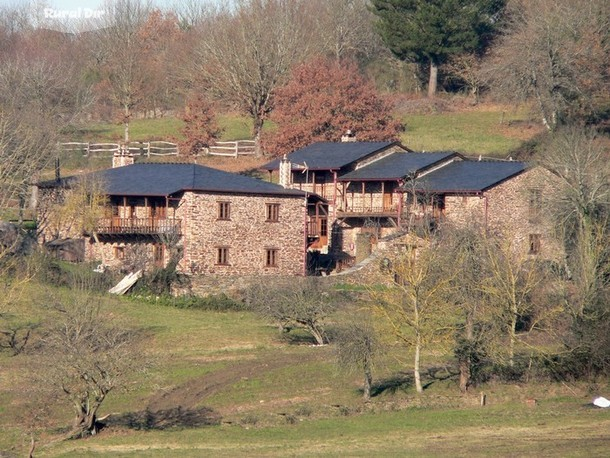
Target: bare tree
(555,52)
(192,13)
(512,280)
(248,51)
(465,248)
(345,28)
(581,209)
(83,357)
(414,304)
(357,346)
(119,49)
(299,302)
(37,99)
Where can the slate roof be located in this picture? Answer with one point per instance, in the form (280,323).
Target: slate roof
(162,179)
(469,176)
(331,155)
(396,166)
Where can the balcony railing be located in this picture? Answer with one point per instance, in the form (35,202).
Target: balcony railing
(385,210)
(147,226)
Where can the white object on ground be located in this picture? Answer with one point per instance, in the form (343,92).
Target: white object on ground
(123,286)
(600,401)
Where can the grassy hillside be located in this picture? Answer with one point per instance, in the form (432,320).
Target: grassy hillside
(234,128)
(277,395)
(486,129)
(490,131)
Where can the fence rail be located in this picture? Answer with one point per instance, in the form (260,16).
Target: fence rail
(154,148)
(159,148)
(232,149)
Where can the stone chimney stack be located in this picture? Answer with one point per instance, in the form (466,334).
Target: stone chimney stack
(349,136)
(122,157)
(285,172)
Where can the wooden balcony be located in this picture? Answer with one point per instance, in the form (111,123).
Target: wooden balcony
(144,226)
(368,211)
(317,232)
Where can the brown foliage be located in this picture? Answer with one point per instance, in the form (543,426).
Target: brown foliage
(200,125)
(324,99)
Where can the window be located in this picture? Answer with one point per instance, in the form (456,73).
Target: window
(534,243)
(535,204)
(222,256)
(158,254)
(271,255)
(323,227)
(224,210)
(273,212)
(119,252)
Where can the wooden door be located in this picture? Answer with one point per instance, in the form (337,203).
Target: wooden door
(387,200)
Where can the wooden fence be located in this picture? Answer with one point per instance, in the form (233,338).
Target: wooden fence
(160,148)
(155,148)
(232,149)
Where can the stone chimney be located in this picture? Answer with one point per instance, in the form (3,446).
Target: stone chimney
(349,136)
(285,172)
(122,157)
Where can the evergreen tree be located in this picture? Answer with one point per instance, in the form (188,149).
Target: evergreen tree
(429,31)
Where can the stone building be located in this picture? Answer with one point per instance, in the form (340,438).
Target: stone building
(212,223)
(378,189)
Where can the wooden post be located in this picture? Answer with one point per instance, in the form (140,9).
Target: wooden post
(236,148)
(148,150)
(483,399)
(88,149)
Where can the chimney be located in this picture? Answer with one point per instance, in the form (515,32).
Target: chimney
(285,172)
(122,157)
(349,136)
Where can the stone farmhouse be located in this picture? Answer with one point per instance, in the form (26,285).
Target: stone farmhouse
(377,190)
(334,203)
(219,224)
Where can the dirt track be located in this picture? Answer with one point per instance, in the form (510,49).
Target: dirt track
(192,393)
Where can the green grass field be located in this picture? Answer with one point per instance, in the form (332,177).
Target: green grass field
(234,128)
(276,397)
(488,130)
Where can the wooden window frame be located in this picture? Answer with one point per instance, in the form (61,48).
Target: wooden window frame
(272,212)
(224,211)
(535,243)
(158,254)
(222,256)
(271,257)
(119,252)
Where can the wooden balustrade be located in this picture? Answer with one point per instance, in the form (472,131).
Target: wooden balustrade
(152,226)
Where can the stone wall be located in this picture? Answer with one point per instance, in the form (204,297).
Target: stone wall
(507,210)
(246,234)
(126,253)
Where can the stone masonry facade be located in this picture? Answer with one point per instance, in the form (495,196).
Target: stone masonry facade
(515,209)
(245,240)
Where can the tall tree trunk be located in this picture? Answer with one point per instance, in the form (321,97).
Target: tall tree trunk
(465,362)
(317,334)
(433,81)
(368,379)
(416,374)
(512,334)
(126,123)
(257,128)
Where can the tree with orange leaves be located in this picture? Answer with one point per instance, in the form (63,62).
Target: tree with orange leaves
(324,99)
